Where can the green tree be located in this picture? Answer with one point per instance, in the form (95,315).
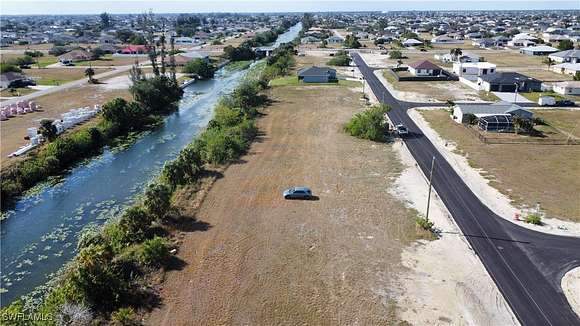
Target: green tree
(8,67)
(351,42)
(125,115)
(564,45)
(200,67)
(577,75)
(455,53)
(340,59)
(395,54)
(23,61)
(47,129)
(105,20)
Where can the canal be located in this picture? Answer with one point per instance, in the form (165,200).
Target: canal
(39,234)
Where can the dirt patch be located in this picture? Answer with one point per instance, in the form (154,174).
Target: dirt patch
(519,174)
(268,261)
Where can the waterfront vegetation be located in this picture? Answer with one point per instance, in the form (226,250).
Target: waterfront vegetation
(105,280)
(154,97)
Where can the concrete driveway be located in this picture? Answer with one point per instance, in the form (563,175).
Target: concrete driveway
(510,97)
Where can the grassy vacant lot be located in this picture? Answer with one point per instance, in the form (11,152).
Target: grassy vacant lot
(438,90)
(58,76)
(549,174)
(13,130)
(264,260)
(16,92)
(544,74)
(534,96)
(513,59)
(293,81)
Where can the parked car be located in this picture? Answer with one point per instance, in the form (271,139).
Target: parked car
(546,101)
(297,193)
(401,130)
(565,103)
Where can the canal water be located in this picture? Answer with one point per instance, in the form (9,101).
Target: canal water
(39,234)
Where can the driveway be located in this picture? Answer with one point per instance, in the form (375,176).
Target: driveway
(510,97)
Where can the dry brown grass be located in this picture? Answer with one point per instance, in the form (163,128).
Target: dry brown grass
(512,59)
(549,174)
(55,76)
(270,261)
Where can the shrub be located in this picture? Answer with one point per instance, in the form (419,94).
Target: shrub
(8,67)
(58,50)
(157,200)
(395,54)
(124,317)
(340,59)
(533,219)
(200,67)
(471,118)
(154,252)
(424,223)
(369,124)
(95,280)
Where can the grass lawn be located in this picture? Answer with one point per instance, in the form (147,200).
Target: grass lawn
(488,96)
(567,121)
(110,60)
(534,96)
(46,60)
(58,76)
(293,81)
(16,92)
(549,174)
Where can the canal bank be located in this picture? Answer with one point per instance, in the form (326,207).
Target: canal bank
(40,234)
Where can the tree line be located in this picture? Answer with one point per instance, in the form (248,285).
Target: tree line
(103,282)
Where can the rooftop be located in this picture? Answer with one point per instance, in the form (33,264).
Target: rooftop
(424,64)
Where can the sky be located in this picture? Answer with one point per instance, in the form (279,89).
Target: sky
(51,7)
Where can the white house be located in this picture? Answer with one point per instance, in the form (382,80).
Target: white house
(566,68)
(412,42)
(444,39)
(538,50)
(184,40)
(334,40)
(567,88)
(472,70)
(571,56)
(424,68)
(482,110)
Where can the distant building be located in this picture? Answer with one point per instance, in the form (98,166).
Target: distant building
(309,40)
(74,56)
(570,56)
(566,68)
(335,40)
(538,50)
(509,82)
(317,75)
(134,49)
(14,79)
(445,39)
(567,88)
(424,68)
(472,70)
(411,42)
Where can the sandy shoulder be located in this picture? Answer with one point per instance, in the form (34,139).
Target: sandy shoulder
(571,287)
(446,282)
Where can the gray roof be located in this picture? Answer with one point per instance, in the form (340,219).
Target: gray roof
(11,76)
(504,77)
(567,54)
(495,108)
(316,71)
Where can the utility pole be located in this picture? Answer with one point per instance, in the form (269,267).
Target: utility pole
(429,194)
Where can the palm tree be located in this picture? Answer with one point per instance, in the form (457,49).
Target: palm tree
(456,53)
(90,72)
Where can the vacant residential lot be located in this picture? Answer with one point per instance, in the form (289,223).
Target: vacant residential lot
(428,91)
(549,174)
(12,131)
(57,76)
(269,261)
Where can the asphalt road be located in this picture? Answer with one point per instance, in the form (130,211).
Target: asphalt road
(526,265)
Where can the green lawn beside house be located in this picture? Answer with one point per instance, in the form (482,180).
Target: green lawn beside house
(293,81)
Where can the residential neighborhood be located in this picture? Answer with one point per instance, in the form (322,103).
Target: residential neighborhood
(285,163)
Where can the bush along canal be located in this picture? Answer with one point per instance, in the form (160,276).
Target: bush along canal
(39,235)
